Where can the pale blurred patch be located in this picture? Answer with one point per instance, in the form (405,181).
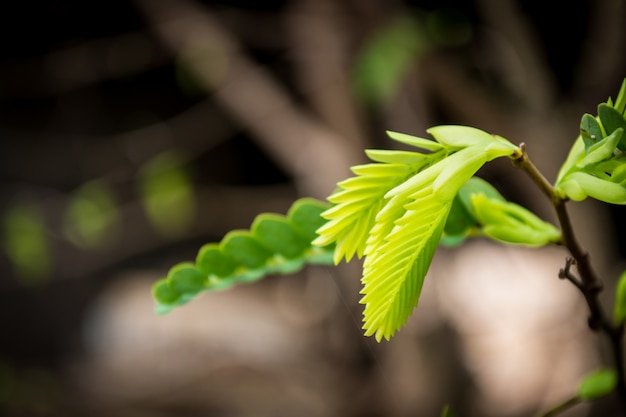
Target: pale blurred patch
(523,331)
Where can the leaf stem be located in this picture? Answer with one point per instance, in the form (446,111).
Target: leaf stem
(564,406)
(588,283)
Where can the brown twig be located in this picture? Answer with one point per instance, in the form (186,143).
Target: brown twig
(588,283)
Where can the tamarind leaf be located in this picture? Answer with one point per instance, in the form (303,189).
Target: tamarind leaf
(602,149)
(594,165)
(359,199)
(611,120)
(275,244)
(395,156)
(461,220)
(508,222)
(274,232)
(597,384)
(580,185)
(415,141)
(408,227)
(244,248)
(305,218)
(212,261)
(185,278)
(619,306)
(590,130)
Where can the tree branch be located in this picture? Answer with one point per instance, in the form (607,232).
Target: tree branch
(588,284)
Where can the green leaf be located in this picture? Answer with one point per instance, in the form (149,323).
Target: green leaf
(610,118)
(602,150)
(394,272)
(459,221)
(580,185)
(597,384)
(407,230)
(357,203)
(305,217)
(185,278)
(590,130)
(244,257)
(241,246)
(619,307)
(508,222)
(213,262)
(275,233)
(163,293)
(427,144)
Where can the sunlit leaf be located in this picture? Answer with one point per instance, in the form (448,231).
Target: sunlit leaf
(508,222)
(305,218)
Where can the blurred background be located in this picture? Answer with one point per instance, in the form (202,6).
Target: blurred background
(133,132)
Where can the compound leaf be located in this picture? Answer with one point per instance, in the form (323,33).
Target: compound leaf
(276,244)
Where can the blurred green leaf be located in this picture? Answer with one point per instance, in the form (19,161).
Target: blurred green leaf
(447,411)
(185,278)
(167,194)
(387,58)
(91,220)
(619,307)
(26,243)
(597,384)
(163,293)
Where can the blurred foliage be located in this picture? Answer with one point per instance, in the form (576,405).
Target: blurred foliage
(167,194)
(26,243)
(92,218)
(388,56)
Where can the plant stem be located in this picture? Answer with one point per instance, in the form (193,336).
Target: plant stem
(588,284)
(564,406)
